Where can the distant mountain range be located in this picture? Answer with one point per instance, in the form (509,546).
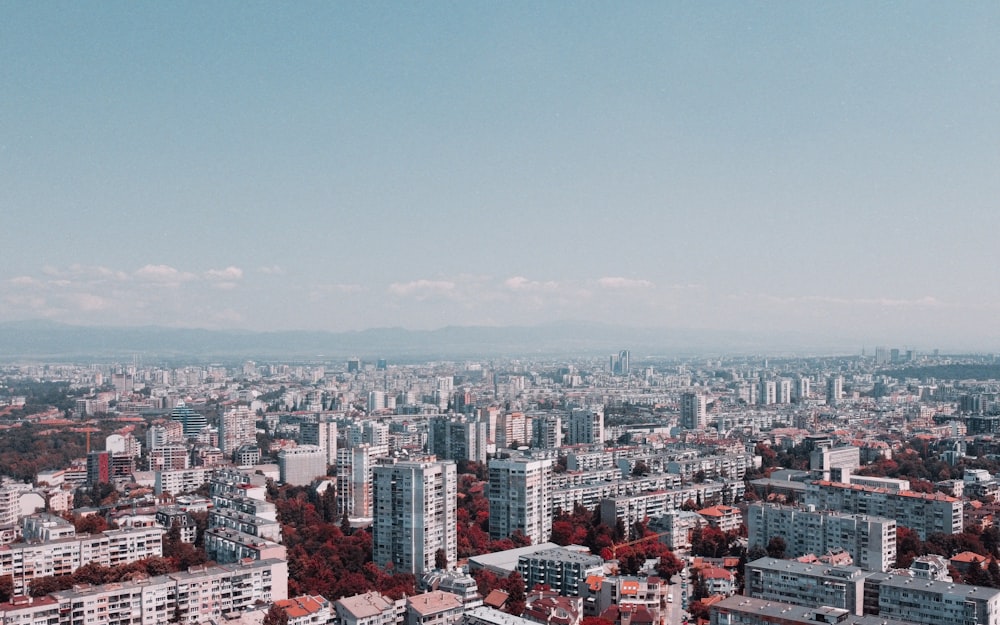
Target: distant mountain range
(46,340)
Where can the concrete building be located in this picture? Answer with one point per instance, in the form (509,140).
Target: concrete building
(742,610)
(835,464)
(585,426)
(301,465)
(63,554)
(924,513)
(562,569)
(693,411)
(458,438)
(201,595)
(546,430)
(808,585)
(370,608)
(179,482)
(415,509)
(870,540)
(323,434)
(519,496)
(237,427)
(433,608)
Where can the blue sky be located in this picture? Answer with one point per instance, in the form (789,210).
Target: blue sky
(825,168)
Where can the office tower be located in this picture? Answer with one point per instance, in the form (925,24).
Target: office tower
(834,390)
(237,427)
(620,363)
(693,411)
(301,465)
(415,507)
(519,496)
(191,420)
(323,434)
(353,365)
(586,427)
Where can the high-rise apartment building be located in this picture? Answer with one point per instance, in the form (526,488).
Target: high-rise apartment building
(546,430)
(415,507)
(834,390)
(693,411)
(323,434)
(237,427)
(519,496)
(586,426)
(458,438)
(768,393)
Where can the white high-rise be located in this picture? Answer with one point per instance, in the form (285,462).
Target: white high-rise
(323,434)
(415,506)
(237,427)
(520,498)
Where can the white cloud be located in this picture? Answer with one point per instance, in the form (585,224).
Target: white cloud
(623,283)
(24,281)
(164,274)
(421,288)
(520,283)
(228,274)
(273,270)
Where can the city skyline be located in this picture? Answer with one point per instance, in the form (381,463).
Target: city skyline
(822,170)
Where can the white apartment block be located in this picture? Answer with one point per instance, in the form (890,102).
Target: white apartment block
(633,508)
(807,585)
(870,540)
(889,596)
(27,561)
(301,465)
(936,602)
(560,568)
(924,513)
(228,518)
(182,481)
(246,505)
(520,498)
(733,466)
(415,505)
(227,546)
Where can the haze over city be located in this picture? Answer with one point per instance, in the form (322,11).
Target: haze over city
(827,170)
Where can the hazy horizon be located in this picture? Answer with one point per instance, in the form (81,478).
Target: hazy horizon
(825,170)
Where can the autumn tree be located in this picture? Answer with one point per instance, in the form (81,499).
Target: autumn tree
(275,616)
